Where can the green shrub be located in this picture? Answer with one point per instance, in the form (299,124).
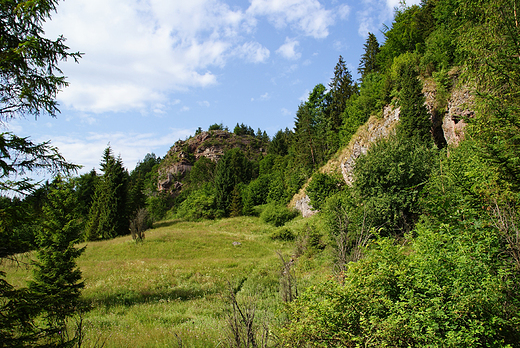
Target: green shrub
(388,182)
(448,288)
(282,233)
(323,186)
(277,215)
(200,204)
(158,205)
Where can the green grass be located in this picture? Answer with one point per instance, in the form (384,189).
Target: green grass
(172,287)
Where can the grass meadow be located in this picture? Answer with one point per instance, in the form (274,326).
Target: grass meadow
(171,290)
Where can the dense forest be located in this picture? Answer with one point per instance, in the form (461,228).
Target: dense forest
(426,248)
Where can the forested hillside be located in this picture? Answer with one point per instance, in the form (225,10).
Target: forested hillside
(422,233)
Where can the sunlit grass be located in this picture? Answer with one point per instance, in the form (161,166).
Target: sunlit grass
(172,287)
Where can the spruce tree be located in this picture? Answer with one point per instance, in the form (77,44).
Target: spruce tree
(232,169)
(368,62)
(414,118)
(108,216)
(341,89)
(57,280)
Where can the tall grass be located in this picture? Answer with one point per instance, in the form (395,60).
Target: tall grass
(171,289)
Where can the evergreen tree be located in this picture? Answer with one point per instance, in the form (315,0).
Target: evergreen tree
(85,188)
(108,217)
(279,145)
(368,62)
(232,169)
(341,89)
(313,131)
(29,81)
(57,280)
(414,119)
(304,140)
(137,182)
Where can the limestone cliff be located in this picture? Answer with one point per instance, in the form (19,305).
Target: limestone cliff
(447,128)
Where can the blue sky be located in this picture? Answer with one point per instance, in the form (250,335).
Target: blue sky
(153,71)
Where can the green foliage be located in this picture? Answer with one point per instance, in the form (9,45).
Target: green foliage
(232,169)
(282,233)
(29,68)
(140,182)
(279,145)
(217,126)
(200,204)
(446,289)
(158,205)
(410,28)
(277,215)
(322,186)
(236,206)
(489,42)
(342,87)
(256,193)
(18,156)
(242,129)
(388,182)
(368,61)
(440,51)
(85,187)
(57,279)
(108,216)
(414,120)
(203,171)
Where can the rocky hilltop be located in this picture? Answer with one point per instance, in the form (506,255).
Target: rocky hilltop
(210,144)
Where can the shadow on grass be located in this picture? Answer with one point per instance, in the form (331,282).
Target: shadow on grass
(167,223)
(132,297)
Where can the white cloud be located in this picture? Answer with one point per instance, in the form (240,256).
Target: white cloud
(286,112)
(138,51)
(288,49)
(344,11)
(306,16)
(87,150)
(375,12)
(253,52)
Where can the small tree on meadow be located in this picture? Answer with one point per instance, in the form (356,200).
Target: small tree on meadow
(57,279)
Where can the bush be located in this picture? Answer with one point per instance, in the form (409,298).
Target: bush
(158,205)
(447,288)
(388,181)
(140,223)
(200,204)
(277,215)
(323,186)
(282,233)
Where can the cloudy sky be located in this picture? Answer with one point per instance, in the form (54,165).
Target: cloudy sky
(153,71)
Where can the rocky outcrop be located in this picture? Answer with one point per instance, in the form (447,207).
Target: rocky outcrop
(212,144)
(373,130)
(459,108)
(448,121)
(304,207)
